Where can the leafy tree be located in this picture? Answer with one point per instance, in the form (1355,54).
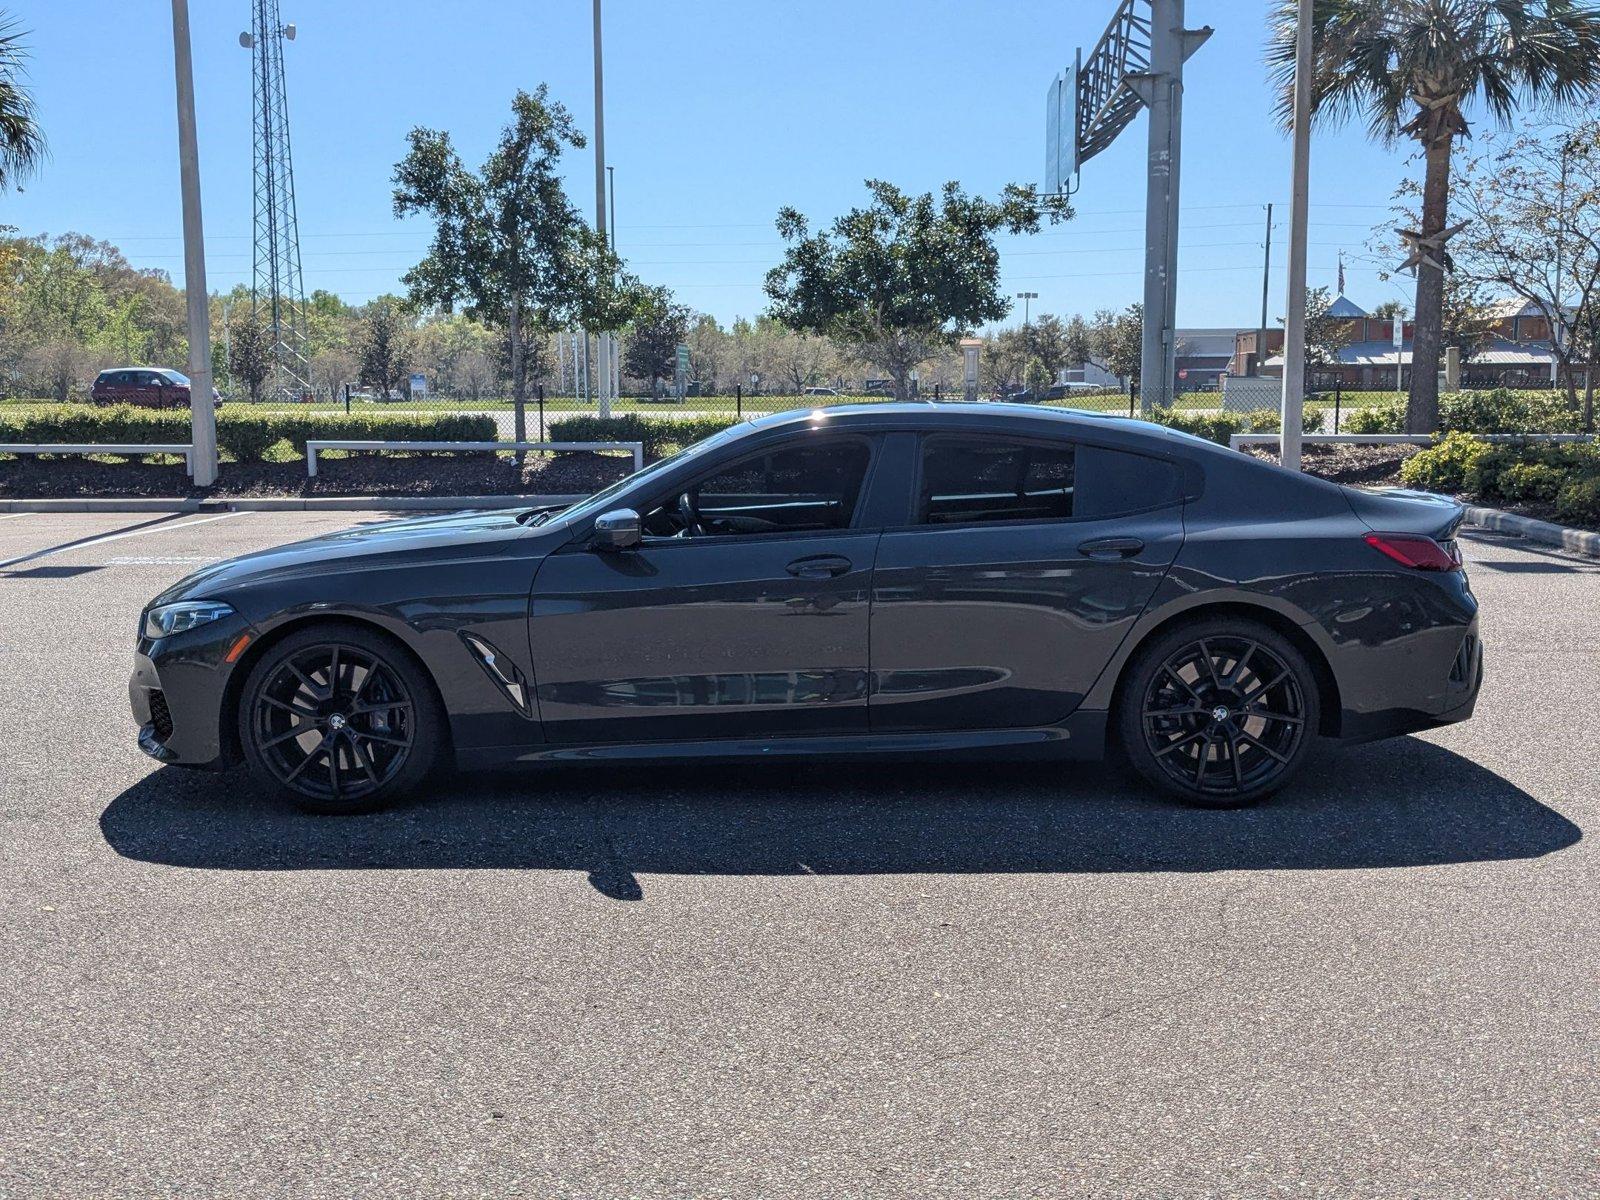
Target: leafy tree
(22,145)
(708,349)
(508,245)
(1390,309)
(249,350)
(1048,342)
(1409,67)
(904,276)
(660,325)
(386,346)
(1326,335)
(1116,341)
(1534,201)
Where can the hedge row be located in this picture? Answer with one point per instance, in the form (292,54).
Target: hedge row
(660,435)
(1562,475)
(1500,410)
(243,435)
(1219,427)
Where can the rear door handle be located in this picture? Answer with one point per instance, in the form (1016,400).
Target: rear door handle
(819,566)
(1111,547)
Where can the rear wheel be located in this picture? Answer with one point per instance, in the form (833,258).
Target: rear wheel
(339,719)
(1219,713)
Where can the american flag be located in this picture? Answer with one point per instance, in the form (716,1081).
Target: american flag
(1341,272)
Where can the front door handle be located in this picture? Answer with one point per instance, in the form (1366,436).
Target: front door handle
(1111,547)
(819,566)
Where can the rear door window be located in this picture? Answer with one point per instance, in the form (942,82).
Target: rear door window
(967,480)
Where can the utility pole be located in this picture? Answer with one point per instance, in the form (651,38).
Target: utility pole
(604,355)
(197,300)
(616,352)
(1294,337)
(1160,87)
(1266,273)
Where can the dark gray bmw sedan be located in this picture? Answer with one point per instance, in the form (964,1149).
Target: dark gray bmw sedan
(902,579)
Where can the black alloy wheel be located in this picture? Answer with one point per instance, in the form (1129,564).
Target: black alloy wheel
(339,720)
(1220,714)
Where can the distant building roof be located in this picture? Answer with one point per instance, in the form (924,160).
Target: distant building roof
(1343,306)
(1497,351)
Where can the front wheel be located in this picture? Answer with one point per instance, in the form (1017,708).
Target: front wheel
(1219,713)
(339,719)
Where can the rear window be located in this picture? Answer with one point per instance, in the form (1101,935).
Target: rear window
(1112,482)
(993,479)
(965,480)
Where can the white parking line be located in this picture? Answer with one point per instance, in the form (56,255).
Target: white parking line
(160,527)
(13,516)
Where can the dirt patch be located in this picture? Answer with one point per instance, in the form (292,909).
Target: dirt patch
(358,475)
(1358,466)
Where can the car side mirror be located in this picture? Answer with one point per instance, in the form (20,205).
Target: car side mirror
(618,529)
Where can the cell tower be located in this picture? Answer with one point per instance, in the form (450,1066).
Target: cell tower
(277,286)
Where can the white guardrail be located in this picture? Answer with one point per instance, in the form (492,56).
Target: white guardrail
(1239,440)
(313,448)
(183,448)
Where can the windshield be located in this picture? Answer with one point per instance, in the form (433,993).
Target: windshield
(177,377)
(601,500)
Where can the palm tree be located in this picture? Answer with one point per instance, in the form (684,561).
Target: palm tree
(1409,67)
(21,141)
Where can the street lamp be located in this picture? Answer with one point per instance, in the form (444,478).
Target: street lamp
(1025,297)
(197,301)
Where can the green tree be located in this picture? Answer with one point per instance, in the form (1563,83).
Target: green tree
(386,346)
(508,245)
(1534,200)
(660,325)
(1116,341)
(1410,67)
(903,277)
(1048,341)
(22,145)
(249,351)
(1326,335)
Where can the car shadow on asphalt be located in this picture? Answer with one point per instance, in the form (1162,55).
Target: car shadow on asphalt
(1399,803)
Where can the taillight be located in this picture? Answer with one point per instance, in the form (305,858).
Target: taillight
(1414,550)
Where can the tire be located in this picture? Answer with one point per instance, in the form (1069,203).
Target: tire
(338,718)
(1219,712)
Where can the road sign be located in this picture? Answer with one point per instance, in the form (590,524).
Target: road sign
(681,374)
(1399,329)
(1059,130)
(419,384)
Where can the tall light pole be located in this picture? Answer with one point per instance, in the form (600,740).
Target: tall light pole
(1025,297)
(611,241)
(202,412)
(603,366)
(1294,335)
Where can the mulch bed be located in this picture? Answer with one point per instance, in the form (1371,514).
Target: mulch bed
(358,475)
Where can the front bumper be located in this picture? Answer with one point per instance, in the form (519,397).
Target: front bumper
(178,691)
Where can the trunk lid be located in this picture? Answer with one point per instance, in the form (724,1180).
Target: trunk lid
(1400,510)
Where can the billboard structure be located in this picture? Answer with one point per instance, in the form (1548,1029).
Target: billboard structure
(1137,64)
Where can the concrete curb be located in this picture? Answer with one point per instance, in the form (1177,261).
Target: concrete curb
(283,504)
(1580,541)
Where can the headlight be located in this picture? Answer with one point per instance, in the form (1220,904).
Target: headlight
(185,615)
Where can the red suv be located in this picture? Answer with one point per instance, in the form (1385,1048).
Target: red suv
(147,387)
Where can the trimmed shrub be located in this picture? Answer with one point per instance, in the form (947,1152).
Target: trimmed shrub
(659,434)
(1530,482)
(1500,410)
(1578,501)
(1377,418)
(1220,426)
(1443,467)
(244,434)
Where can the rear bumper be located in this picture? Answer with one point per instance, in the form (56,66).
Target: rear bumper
(1454,702)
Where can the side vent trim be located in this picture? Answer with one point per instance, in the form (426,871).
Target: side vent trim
(504,673)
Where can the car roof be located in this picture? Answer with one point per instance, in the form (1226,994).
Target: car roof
(930,414)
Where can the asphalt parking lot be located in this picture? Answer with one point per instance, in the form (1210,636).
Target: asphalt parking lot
(901,980)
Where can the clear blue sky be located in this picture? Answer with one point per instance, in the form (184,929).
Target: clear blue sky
(717,113)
